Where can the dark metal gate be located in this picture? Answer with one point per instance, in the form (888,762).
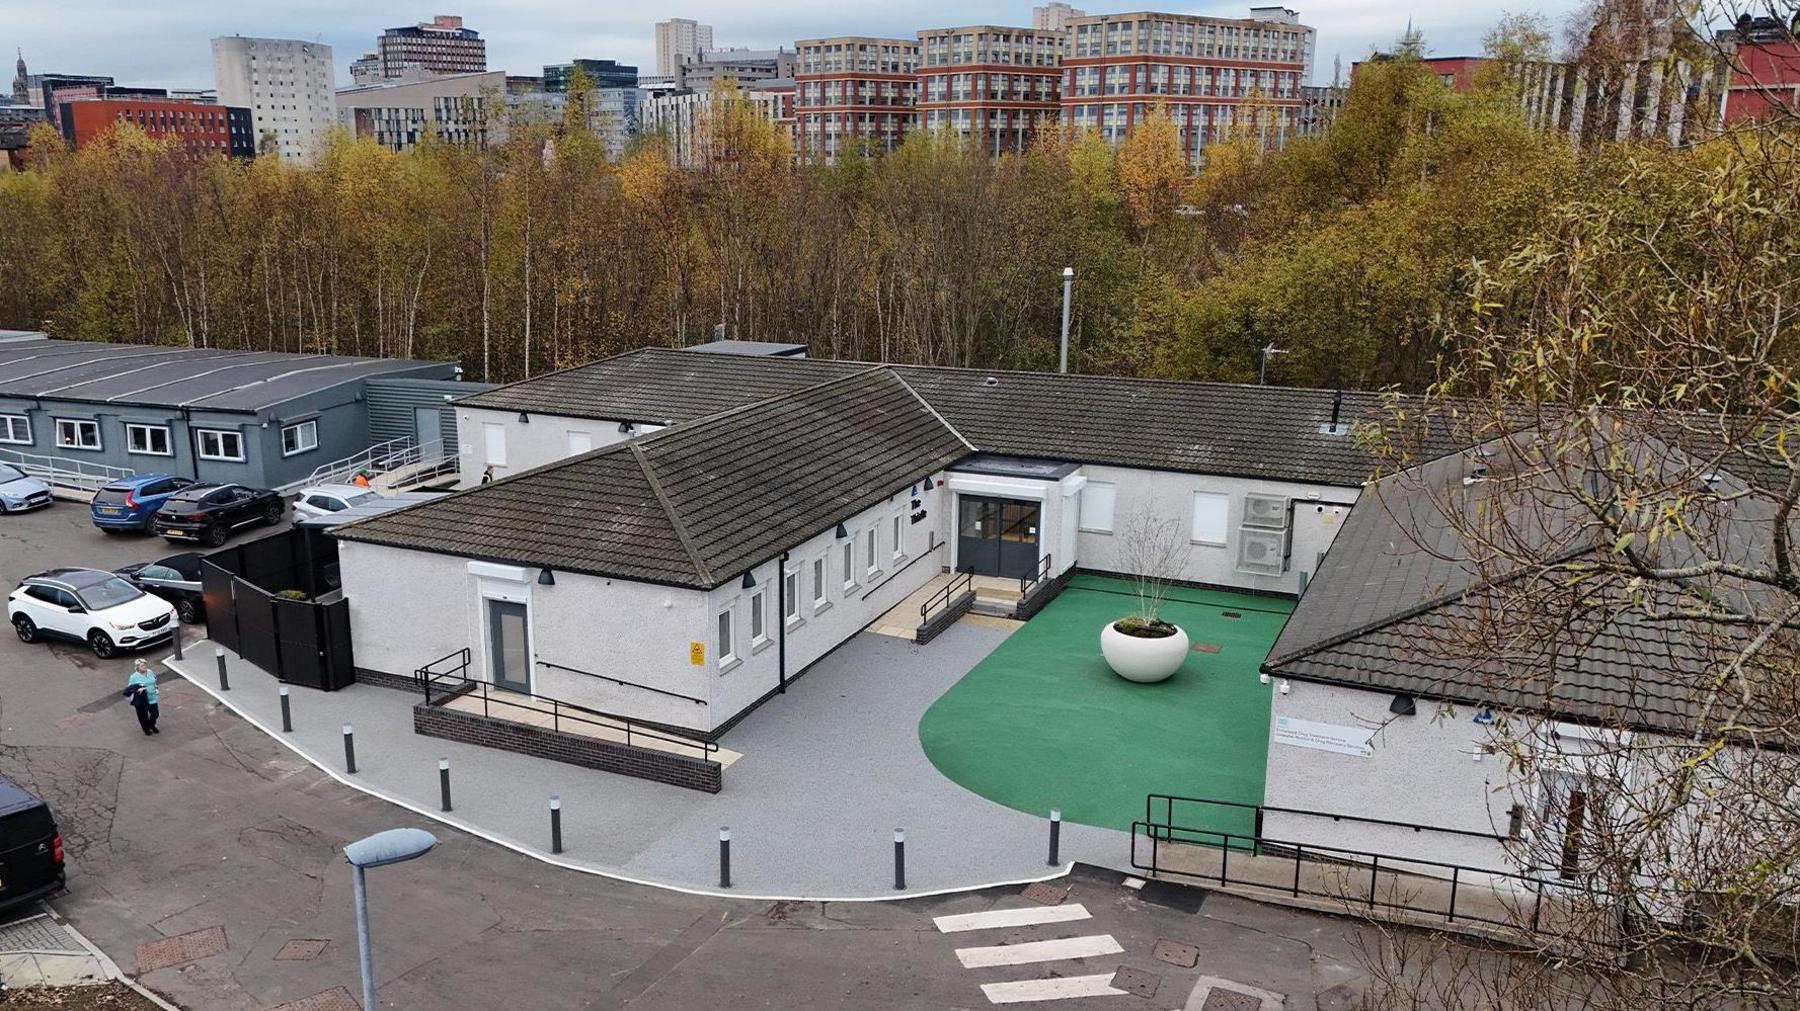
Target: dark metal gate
(302,635)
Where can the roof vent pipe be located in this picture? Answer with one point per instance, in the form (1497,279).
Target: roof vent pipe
(990,381)
(1335,426)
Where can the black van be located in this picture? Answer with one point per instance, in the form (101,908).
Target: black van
(31,850)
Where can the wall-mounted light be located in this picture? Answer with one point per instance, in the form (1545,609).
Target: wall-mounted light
(842,534)
(1402,705)
(546,577)
(1284,686)
(626,428)
(1263,677)
(749,579)
(524,419)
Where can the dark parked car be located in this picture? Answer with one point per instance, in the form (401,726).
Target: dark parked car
(175,579)
(130,503)
(31,849)
(208,513)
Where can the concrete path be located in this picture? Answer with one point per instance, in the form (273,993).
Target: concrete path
(828,772)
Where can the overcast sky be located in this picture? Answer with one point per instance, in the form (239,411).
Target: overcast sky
(166,43)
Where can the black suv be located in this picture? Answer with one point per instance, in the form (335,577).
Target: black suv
(208,513)
(31,850)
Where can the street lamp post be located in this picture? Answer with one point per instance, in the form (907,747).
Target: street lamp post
(396,845)
(1062,354)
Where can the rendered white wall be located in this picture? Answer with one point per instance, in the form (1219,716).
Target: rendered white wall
(541,440)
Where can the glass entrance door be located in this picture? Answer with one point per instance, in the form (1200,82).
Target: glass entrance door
(509,649)
(996,536)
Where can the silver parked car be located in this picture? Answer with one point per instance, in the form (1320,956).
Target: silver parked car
(20,491)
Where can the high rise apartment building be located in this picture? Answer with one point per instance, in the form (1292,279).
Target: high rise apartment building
(851,90)
(1218,77)
(439,46)
(990,85)
(1054,17)
(680,39)
(287,86)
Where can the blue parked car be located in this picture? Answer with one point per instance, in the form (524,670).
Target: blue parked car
(130,503)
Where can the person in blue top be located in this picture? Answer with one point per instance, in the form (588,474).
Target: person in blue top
(141,690)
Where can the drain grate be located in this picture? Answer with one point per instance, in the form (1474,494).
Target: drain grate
(1176,953)
(301,949)
(1137,981)
(181,949)
(335,999)
(1230,1000)
(1231,614)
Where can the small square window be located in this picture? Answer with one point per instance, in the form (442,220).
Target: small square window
(148,440)
(299,438)
(15,428)
(218,444)
(75,433)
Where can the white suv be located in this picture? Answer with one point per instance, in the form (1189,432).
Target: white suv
(326,499)
(91,606)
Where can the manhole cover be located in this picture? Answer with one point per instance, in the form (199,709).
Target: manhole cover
(1176,953)
(1205,647)
(181,949)
(1231,1000)
(1137,981)
(335,999)
(1045,893)
(305,949)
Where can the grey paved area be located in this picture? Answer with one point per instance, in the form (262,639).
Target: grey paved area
(213,823)
(829,771)
(36,933)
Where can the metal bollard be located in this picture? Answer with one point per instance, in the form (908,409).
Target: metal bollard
(224,680)
(725,857)
(899,858)
(555,824)
(287,714)
(177,622)
(349,749)
(444,781)
(1055,835)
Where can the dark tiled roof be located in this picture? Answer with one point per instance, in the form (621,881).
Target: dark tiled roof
(1407,601)
(697,504)
(1210,428)
(659,385)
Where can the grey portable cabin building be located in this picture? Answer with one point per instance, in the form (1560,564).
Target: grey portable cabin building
(261,418)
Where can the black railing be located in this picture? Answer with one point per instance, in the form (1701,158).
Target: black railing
(456,663)
(1037,576)
(621,681)
(942,598)
(1465,894)
(564,716)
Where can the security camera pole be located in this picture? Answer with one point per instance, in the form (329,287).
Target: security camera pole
(396,845)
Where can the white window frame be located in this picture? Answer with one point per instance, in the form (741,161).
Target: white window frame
(725,637)
(849,552)
(135,428)
(872,551)
(79,425)
(759,616)
(1196,534)
(493,436)
(8,422)
(899,521)
(310,424)
(791,585)
(821,567)
(1108,489)
(200,435)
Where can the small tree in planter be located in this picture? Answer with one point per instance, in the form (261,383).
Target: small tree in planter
(1141,646)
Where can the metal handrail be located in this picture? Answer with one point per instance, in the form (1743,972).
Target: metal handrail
(621,681)
(1348,860)
(381,458)
(65,471)
(948,593)
(560,711)
(1170,800)
(1037,576)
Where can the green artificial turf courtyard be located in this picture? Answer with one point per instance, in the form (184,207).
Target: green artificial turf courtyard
(1042,722)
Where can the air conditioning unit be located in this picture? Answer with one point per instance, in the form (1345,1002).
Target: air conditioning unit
(1267,511)
(1262,552)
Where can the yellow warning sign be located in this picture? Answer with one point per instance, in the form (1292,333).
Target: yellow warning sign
(697,654)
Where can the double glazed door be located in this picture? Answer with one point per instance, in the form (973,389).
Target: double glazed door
(509,647)
(997,536)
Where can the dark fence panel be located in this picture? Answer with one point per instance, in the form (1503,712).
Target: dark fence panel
(221,613)
(256,628)
(304,642)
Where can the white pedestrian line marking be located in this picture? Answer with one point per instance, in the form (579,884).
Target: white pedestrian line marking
(1027,917)
(1051,989)
(1039,951)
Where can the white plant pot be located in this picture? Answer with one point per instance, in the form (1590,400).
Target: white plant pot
(1143,660)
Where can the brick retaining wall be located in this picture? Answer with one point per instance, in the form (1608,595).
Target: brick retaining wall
(539,742)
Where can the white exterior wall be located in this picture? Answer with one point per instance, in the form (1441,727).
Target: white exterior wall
(844,611)
(1423,771)
(287,86)
(544,439)
(1315,523)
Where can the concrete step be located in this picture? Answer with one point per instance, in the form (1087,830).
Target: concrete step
(994,608)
